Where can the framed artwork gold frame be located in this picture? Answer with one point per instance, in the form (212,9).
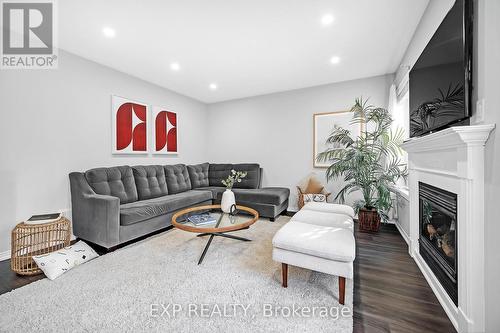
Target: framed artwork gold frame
(323,124)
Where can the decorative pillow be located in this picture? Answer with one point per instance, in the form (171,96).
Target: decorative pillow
(314,198)
(115,181)
(150,181)
(252,179)
(177,178)
(56,263)
(198,174)
(217,173)
(313,187)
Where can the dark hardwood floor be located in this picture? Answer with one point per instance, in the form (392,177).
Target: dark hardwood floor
(390,292)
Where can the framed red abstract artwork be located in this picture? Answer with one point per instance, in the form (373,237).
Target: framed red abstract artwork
(165,124)
(129,126)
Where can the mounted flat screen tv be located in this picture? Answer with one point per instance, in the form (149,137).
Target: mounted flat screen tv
(440,81)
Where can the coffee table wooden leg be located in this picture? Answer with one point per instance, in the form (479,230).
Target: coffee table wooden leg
(284,275)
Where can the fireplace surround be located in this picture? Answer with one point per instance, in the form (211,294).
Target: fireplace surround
(453,160)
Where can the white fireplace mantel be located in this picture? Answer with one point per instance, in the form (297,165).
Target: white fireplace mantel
(453,137)
(453,159)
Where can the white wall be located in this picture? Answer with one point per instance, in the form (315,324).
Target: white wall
(487,87)
(57,121)
(433,16)
(276,130)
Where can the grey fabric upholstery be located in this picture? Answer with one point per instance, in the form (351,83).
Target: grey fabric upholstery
(139,211)
(252,179)
(215,190)
(115,181)
(261,173)
(133,231)
(265,210)
(268,201)
(177,178)
(95,217)
(267,195)
(198,174)
(217,173)
(150,181)
(106,211)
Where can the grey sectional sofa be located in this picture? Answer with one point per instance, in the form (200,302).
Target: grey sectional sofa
(114,205)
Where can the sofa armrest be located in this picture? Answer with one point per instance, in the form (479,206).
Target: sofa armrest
(96,217)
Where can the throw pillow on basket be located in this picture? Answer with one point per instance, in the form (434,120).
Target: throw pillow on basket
(311,190)
(314,198)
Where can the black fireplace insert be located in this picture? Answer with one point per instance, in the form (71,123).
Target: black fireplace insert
(438,235)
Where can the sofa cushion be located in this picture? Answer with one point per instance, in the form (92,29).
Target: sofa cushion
(329,208)
(217,173)
(150,181)
(115,181)
(324,219)
(215,190)
(324,242)
(252,179)
(145,209)
(177,178)
(198,174)
(268,195)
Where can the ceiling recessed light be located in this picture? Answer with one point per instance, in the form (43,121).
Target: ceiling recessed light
(334,60)
(213,86)
(108,32)
(175,66)
(327,19)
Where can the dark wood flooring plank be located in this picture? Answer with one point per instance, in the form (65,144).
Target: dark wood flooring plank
(390,292)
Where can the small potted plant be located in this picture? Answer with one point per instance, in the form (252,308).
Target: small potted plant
(228,196)
(369,163)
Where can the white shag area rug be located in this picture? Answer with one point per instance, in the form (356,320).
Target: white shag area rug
(156,285)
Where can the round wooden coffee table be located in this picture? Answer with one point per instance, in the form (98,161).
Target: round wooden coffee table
(221,223)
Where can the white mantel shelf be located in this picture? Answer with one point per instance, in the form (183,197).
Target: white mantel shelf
(452,137)
(453,159)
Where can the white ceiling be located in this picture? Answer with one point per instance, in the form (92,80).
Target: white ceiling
(246,47)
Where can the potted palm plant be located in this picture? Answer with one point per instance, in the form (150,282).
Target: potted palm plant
(369,162)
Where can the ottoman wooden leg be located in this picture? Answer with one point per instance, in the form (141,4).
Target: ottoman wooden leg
(284,275)
(341,289)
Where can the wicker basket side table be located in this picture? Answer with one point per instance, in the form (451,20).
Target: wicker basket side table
(29,240)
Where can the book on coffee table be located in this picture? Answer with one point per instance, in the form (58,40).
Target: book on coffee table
(201,219)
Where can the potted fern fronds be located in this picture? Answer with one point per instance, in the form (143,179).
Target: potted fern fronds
(368,162)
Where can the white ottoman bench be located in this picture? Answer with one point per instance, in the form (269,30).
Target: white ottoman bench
(319,237)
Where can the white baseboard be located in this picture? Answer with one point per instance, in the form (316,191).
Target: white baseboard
(403,233)
(5,255)
(443,298)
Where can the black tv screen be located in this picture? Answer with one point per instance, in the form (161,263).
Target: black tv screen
(440,81)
